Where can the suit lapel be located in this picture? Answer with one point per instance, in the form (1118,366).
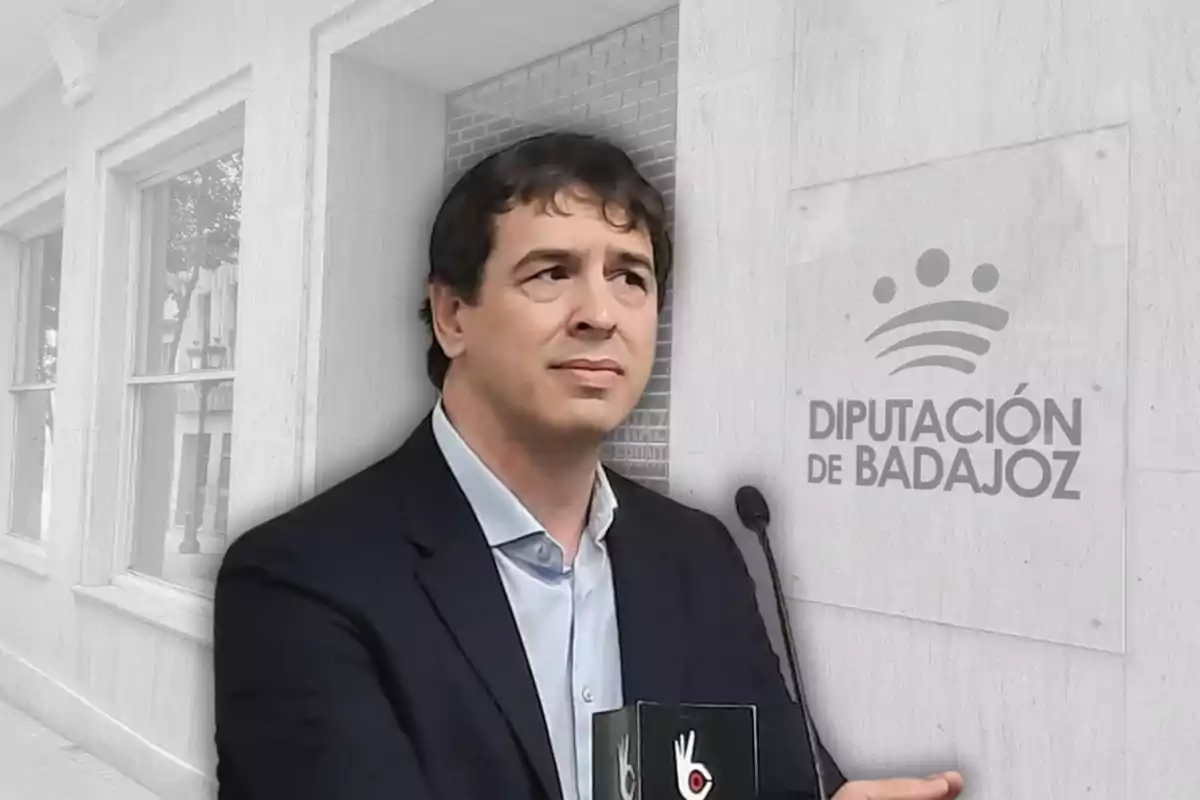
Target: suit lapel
(650,605)
(459,575)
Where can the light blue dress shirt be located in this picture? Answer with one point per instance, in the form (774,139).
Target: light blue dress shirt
(566,613)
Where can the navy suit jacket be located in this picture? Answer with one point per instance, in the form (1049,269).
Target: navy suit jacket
(364,648)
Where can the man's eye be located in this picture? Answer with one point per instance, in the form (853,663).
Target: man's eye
(556,273)
(634,279)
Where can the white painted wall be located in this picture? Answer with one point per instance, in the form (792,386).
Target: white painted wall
(383,181)
(127,675)
(1044,647)
(343,165)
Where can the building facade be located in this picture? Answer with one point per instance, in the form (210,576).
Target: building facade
(935,293)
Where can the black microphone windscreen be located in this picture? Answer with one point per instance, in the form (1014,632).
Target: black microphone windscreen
(751,507)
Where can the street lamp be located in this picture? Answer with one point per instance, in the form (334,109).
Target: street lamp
(204,357)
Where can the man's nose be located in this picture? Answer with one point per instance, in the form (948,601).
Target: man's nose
(593,310)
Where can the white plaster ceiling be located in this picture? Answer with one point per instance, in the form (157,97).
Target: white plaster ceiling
(451,44)
(447,45)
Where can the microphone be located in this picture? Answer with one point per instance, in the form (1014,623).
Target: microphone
(714,747)
(754,513)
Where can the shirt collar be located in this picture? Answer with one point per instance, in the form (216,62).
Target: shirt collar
(503,517)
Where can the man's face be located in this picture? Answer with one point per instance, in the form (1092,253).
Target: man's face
(562,336)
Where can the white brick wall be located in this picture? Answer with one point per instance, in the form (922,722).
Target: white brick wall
(622,86)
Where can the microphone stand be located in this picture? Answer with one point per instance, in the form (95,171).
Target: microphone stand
(756,521)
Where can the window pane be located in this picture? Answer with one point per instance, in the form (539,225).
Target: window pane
(190,248)
(42,259)
(31,487)
(182,488)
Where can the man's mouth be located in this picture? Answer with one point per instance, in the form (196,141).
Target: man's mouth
(591,365)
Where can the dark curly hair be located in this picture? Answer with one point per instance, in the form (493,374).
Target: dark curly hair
(534,170)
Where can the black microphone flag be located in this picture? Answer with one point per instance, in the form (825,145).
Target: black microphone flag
(655,751)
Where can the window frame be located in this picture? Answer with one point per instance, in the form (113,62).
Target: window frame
(140,186)
(147,155)
(37,212)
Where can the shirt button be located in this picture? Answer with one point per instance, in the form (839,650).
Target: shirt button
(587,695)
(543,552)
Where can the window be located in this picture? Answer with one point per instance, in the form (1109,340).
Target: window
(32,386)
(183,373)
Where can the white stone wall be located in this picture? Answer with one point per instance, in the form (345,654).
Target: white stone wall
(1043,644)
(820,147)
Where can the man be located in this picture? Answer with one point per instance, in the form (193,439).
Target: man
(444,624)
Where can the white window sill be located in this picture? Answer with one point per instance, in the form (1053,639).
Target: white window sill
(27,554)
(164,606)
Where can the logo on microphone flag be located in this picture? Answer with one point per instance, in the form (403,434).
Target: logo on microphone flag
(626,776)
(694,779)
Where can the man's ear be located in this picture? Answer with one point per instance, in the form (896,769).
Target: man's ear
(445,308)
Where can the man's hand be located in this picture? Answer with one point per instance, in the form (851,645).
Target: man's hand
(942,786)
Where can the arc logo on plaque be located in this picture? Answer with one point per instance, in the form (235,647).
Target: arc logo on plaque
(932,269)
(956,379)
